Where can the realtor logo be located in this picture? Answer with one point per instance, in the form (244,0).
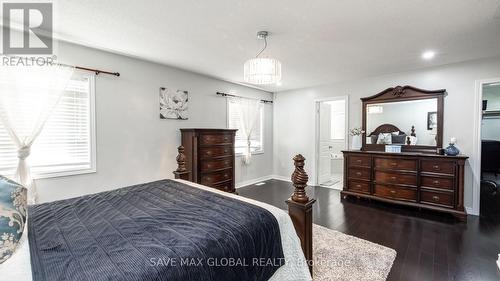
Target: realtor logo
(27,28)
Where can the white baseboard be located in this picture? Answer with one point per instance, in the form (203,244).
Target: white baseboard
(253,181)
(282,178)
(470,211)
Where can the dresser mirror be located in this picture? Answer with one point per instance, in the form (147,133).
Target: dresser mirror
(406,116)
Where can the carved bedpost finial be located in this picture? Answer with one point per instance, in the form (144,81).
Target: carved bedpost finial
(299,179)
(181,160)
(300,209)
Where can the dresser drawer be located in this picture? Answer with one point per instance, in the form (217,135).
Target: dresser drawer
(224,186)
(440,167)
(216,151)
(396,164)
(364,174)
(359,186)
(395,178)
(363,161)
(435,182)
(210,165)
(437,198)
(216,177)
(398,193)
(215,139)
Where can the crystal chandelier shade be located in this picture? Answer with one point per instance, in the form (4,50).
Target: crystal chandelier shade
(262,71)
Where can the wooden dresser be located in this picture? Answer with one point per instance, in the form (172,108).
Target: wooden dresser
(210,157)
(422,180)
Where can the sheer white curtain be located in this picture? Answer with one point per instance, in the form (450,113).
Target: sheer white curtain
(28,95)
(249,111)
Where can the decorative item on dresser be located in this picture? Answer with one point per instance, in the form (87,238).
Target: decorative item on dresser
(417,176)
(209,157)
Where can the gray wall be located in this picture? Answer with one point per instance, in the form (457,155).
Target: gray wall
(133,144)
(294,110)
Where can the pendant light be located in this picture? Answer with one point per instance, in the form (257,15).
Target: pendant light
(262,71)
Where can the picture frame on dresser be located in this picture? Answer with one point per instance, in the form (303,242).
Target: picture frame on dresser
(417,176)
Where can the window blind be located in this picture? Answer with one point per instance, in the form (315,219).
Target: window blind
(65,142)
(240,143)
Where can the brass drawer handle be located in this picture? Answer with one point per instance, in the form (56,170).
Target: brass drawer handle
(394,178)
(358,185)
(226,175)
(358,173)
(436,167)
(209,166)
(394,164)
(225,150)
(436,182)
(208,178)
(435,198)
(393,191)
(359,161)
(208,152)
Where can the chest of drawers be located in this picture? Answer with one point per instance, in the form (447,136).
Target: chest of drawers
(210,157)
(422,180)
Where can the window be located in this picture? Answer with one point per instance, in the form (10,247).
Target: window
(66,144)
(257,138)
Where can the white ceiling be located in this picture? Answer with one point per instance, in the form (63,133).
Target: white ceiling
(317,41)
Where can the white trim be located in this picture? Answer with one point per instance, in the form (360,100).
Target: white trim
(315,164)
(253,181)
(282,178)
(475,160)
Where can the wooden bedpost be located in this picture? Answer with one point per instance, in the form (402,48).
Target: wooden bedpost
(181,172)
(300,209)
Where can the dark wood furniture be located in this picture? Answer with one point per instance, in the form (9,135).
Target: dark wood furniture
(300,209)
(299,204)
(406,93)
(209,157)
(428,181)
(416,177)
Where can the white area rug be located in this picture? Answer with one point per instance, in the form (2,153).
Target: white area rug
(338,256)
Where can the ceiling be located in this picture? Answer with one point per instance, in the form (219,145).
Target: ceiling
(318,42)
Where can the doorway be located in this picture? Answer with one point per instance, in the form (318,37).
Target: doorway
(331,139)
(490,151)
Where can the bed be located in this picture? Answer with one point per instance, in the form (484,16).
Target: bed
(396,135)
(93,242)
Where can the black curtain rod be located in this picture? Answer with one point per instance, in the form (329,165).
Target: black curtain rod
(230,95)
(96,71)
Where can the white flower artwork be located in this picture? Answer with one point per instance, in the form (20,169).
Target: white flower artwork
(173,104)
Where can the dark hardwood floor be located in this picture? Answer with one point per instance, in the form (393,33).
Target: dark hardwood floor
(429,245)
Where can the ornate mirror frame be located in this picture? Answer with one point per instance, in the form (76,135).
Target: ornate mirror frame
(404,93)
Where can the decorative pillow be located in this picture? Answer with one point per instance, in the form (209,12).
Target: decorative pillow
(384,138)
(374,139)
(12,216)
(395,133)
(401,139)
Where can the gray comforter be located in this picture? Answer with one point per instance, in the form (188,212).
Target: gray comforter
(163,230)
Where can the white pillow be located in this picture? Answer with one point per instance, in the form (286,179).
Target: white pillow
(395,133)
(384,138)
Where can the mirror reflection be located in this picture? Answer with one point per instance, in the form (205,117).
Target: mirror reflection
(406,123)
